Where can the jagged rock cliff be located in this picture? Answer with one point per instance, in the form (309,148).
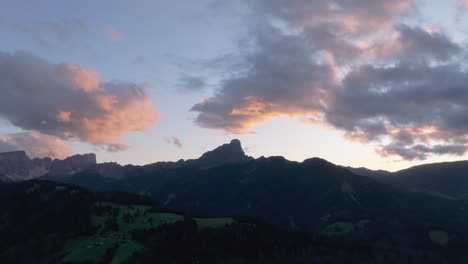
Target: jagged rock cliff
(17,166)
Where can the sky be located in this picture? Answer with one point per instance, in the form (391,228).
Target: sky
(374,83)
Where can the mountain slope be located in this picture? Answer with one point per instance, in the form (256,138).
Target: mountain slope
(45,222)
(449,178)
(375,174)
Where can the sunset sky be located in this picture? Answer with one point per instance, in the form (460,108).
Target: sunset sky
(375,83)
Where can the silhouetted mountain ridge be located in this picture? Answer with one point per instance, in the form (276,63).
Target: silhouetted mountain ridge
(17,166)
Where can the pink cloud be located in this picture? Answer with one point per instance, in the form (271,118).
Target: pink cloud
(71,102)
(463,4)
(80,78)
(113,34)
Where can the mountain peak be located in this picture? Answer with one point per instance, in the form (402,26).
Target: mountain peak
(227,153)
(236,142)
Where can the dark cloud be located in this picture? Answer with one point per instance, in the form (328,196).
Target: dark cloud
(417,42)
(35,144)
(70,102)
(174,141)
(420,152)
(282,77)
(420,108)
(192,83)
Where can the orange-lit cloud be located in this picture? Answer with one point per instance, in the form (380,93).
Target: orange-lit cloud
(79,78)
(71,102)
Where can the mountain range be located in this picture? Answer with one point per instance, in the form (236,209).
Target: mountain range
(17,166)
(407,210)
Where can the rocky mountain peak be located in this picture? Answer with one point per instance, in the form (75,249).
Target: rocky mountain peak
(72,164)
(227,153)
(17,166)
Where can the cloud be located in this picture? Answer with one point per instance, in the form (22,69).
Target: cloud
(420,152)
(113,34)
(71,102)
(352,65)
(463,4)
(192,83)
(60,30)
(174,141)
(355,17)
(282,79)
(35,144)
(420,109)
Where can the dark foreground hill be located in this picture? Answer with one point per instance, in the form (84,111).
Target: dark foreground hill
(45,222)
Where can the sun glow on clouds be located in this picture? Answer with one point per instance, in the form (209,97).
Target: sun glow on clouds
(351,65)
(79,78)
(70,102)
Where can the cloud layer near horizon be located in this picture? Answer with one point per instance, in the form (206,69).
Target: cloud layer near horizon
(353,65)
(70,102)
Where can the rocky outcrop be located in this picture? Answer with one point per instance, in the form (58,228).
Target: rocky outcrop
(72,165)
(224,154)
(227,153)
(17,166)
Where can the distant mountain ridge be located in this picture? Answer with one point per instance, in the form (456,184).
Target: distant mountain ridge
(446,178)
(449,179)
(368,172)
(100,175)
(17,166)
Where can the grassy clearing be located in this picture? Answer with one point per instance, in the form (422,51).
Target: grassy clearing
(339,228)
(124,219)
(342,228)
(204,223)
(147,221)
(439,237)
